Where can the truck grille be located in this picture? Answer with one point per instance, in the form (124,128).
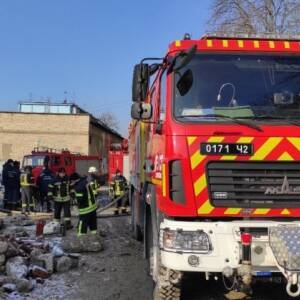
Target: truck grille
(254,184)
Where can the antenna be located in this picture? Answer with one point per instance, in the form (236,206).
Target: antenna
(66,98)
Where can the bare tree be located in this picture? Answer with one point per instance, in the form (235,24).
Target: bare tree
(109,119)
(256,16)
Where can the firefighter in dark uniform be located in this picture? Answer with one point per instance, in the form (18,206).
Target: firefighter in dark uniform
(27,183)
(43,181)
(86,204)
(119,187)
(12,180)
(59,191)
(8,165)
(92,178)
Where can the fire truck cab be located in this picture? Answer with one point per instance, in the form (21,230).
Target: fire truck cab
(214,150)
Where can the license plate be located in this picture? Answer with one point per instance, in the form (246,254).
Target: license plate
(226,149)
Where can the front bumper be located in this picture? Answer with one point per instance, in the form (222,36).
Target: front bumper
(225,246)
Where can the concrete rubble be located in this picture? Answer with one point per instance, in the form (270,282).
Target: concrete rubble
(27,261)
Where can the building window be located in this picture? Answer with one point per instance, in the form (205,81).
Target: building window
(90,139)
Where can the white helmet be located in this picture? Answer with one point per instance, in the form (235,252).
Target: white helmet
(92,170)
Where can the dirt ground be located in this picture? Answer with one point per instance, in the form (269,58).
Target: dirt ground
(119,273)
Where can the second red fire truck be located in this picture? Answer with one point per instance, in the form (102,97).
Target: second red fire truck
(215,161)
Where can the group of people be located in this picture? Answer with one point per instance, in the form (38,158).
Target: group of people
(59,191)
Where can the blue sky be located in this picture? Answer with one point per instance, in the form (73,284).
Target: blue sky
(87,48)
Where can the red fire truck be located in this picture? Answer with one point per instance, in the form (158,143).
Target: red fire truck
(118,159)
(215,161)
(71,161)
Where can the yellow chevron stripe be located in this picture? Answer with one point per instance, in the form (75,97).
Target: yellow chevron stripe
(266,148)
(200,184)
(285,156)
(285,212)
(191,139)
(244,139)
(295,142)
(232,211)
(205,208)
(261,211)
(197,157)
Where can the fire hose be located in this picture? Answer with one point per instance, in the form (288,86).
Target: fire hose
(101,209)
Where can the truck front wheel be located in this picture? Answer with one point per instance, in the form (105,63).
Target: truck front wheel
(166,282)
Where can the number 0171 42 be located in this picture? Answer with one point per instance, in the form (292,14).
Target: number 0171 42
(226,149)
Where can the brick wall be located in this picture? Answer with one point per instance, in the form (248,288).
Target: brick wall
(21,132)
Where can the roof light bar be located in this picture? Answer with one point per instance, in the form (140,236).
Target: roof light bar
(243,35)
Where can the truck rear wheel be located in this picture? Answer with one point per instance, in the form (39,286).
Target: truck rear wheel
(166,282)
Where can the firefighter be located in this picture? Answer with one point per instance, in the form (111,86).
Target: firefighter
(92,178)
(43,181)
(86,204)
(12,185)
(119,186)
(27,183)
(59,191)
(6,167)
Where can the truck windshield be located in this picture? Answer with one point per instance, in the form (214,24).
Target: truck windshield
(238,86)
(33,160)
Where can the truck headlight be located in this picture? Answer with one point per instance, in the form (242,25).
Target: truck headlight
(180,240)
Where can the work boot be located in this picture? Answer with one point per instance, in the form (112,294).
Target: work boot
(68,225)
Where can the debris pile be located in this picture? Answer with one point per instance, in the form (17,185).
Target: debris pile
(26,260)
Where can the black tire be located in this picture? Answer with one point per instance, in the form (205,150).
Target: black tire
(165,290)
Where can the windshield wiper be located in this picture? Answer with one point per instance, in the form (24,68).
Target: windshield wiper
(269,117)
(234,120)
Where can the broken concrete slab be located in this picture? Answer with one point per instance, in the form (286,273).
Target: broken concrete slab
(24,285)
(85,243)
(2,259)
(3,247)
(16,267)
(63,264)
(48,260)
(9,287)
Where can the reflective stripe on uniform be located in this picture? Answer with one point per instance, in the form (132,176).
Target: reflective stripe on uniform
(87,210)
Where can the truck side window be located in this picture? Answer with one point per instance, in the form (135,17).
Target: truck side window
(163,96)
(68,161)
(56,160)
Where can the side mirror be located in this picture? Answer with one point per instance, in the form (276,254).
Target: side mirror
(140,82)
(141,111)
